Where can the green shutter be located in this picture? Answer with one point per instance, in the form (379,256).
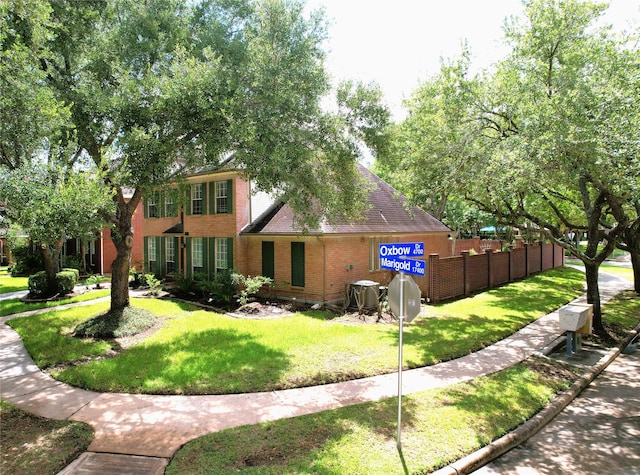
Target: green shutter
(230,254)
(212,197)
(229,196)
(145,207)
(188,266)
(204,198)
(145,245)
(205,255)
(297,264)
(212,256)
(162,265)
(187,204)
(268,259)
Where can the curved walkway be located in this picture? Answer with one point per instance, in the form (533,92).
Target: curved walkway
(156,426)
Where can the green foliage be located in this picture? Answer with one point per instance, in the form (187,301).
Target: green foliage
(250,285)
(220,289)
(38,284)
(115,324)
(154,284)
(72,262)
(66,280)
(182,284)
(96,280)
(27,260)
(74,271)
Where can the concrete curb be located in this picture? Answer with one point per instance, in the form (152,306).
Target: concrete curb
(523,432)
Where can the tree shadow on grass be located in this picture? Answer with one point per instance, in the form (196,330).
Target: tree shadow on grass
(308,444)
(214,361)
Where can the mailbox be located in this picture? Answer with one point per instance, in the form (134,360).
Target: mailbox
(576,318)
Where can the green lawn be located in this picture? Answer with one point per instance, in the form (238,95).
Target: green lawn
(624,272)
(200,352)
(11,306)
(11,284)
(439,426)
(33,445)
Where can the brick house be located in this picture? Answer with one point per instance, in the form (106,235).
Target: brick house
(101,252)
(223,225)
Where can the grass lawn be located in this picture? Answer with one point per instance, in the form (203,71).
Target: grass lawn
(624,272)
(439,426)
(33,445)
(200,352)
(11,306)
(11,284)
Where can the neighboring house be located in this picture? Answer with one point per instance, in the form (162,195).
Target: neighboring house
(223,225)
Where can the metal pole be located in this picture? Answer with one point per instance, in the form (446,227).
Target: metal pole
(401,318)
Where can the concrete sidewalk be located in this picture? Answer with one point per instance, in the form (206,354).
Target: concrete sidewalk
(156,426)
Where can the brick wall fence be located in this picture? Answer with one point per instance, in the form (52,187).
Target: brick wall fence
(459,276)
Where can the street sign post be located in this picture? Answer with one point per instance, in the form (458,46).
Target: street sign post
(404,295)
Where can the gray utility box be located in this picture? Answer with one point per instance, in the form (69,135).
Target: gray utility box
(364,294)
(576,318)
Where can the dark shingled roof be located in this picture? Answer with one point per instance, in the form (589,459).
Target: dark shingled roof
(386,215)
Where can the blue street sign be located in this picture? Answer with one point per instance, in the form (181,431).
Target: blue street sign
(402,249)
(410,266)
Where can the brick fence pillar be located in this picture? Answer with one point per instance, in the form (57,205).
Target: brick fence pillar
(489,253)
(465,271)
(434,278)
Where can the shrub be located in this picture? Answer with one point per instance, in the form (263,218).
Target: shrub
(251,285)
(27,260)
(72,262)
(182,285)
(76,272)
(38,284)
(154,284)
(95,280)
(66,280)
(220,289)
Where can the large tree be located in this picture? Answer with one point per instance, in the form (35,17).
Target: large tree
(538,139)
(51,205)
(31,119)
(156,88)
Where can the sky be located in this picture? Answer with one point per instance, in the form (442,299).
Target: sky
(399,43)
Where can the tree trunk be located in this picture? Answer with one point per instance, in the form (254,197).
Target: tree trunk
(51,258)
(593,295)
(122,237)
(634,251)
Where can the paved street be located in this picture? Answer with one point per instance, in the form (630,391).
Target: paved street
(598,433)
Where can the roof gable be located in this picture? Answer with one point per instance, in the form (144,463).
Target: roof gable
(386,214)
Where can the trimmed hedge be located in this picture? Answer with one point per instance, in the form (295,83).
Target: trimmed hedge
(65,282)
(38,284)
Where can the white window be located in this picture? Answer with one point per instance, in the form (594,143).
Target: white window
(170,251)
(196,254)
(170,209)
(152,206)
(222,253)
(151,253)
(196,198)
(222,202)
